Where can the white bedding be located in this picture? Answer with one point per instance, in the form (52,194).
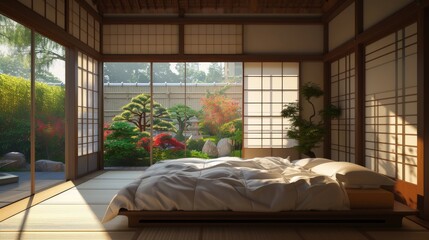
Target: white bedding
(267,184)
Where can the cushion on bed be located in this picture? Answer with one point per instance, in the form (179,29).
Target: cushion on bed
(308,163)
(352,175)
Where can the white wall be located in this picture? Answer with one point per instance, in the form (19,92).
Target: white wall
(342,27)
(283,39)
(377,10)
(313,72)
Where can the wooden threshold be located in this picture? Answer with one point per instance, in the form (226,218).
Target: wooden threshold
(357,217)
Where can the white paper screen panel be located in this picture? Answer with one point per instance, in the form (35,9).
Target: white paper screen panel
(343,95)
(213,39)
(267,88)
(391,105)
(140,39)
(53,10)
(84,26)
(88,106)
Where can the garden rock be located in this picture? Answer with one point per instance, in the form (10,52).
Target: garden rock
(210,149)
(18,157)
(49,166)
(224,147)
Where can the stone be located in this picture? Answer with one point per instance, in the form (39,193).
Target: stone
(17,157)
(210,148)
(49,166)
(6,178)
(224,147)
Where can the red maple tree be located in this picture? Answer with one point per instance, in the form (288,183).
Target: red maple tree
(218,110)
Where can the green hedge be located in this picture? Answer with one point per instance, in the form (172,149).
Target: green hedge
(15,109)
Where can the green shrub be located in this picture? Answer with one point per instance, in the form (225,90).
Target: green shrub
(198,154)
(234,131)
(195,144)
(214,139)
(15,105)
(120,146)
(236,153)
(168,154)
(231,129)
(15,135)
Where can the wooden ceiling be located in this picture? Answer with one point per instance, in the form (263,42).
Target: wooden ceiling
(214,7)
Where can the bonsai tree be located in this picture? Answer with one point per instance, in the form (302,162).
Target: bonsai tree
(181,114)
(138,112)
(308,132)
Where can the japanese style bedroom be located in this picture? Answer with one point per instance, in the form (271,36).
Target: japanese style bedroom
(214,119)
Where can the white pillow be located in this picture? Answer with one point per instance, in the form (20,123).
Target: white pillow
(352,175)
(308,163)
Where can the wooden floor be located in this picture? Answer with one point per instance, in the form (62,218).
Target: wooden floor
(76,214)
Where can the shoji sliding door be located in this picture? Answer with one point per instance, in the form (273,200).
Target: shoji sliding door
(391,105)
(88,115)
(343,95)
(268,86)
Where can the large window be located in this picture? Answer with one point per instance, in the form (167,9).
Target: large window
(156,111)
(268,86)
(194,109)
(32,130)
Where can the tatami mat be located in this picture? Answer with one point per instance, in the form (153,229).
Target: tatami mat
(102,184)
(120,175)
(249,233)
(77,214)
(68,235)
(330,234)
(398,235)
(173,233)
(82,196)
(63,218)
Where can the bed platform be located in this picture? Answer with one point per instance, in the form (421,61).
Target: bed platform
(266,190)
(355,217)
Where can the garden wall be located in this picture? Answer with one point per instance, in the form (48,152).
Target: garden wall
(117,95)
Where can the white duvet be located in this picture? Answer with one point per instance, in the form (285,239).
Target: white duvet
(267,184)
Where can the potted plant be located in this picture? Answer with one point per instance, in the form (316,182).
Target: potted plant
(308,132)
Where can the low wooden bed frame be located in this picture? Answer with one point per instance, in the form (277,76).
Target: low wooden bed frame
(355,217)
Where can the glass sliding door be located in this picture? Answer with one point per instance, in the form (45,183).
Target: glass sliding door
(50,112)
(32,110)
(220,101)
(15,109)
(169,111)
(127,111)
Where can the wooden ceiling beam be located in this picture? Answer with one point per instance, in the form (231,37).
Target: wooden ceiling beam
(211,57)
(214,20)
(123,7)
